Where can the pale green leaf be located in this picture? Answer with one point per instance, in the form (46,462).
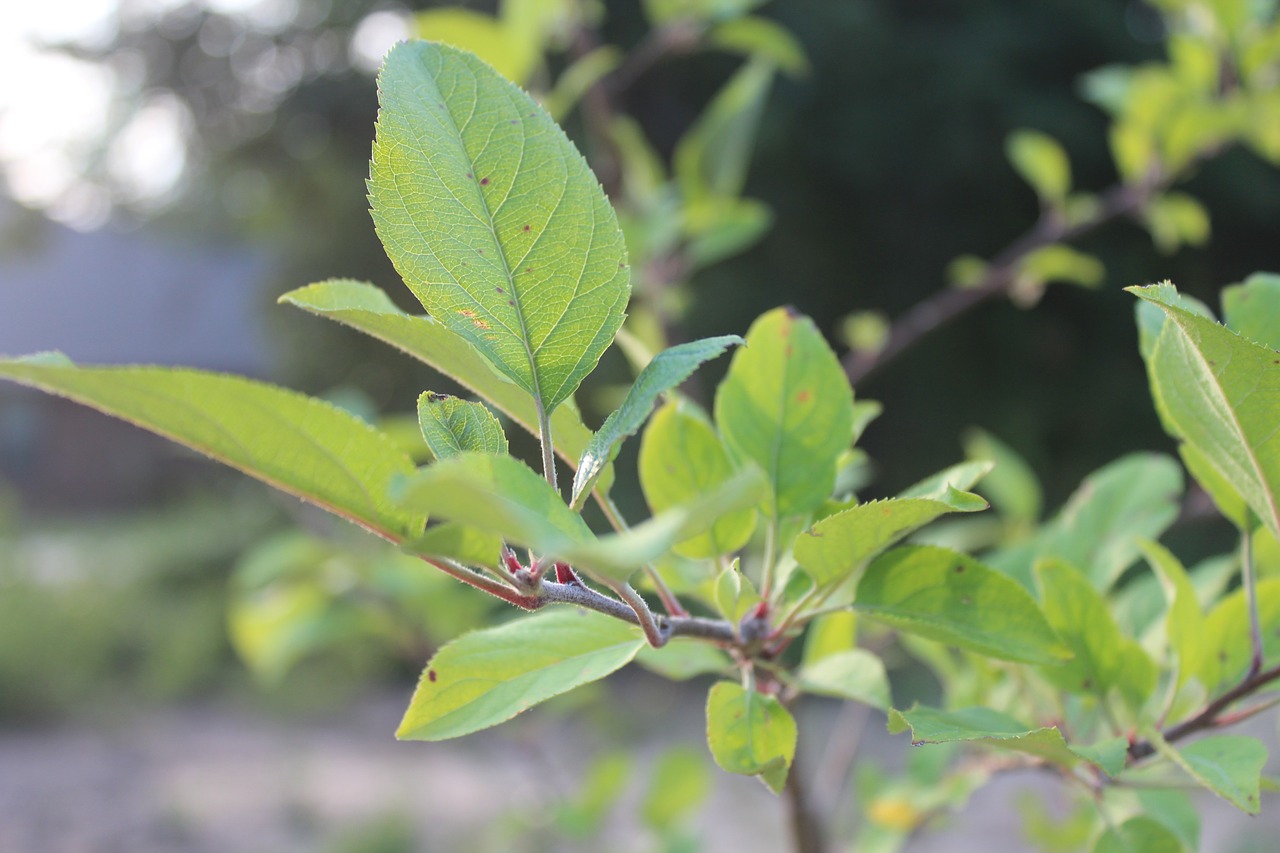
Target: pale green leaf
(451,426)
(1041,162)
(756,36)
(864,412)
(953,598)
(1012,487)
(735,593)
(750,733)
(666,371)
(487,677)
(1175,220)
(576,80)
(494,220)
(839,545)
(1184,621)
(1139,835)
(368,309)
(1097,530)
(959,477)
(712,158)
(1059,263)
(682,659)
(984,726)
(1252,309)
(1229,765)
(787,405)
(830,634)
(661,12)
(1226,650)
(298,444)
(681,457)
(1104,659)
(1221,393)
(854,674)
(458,542)
(681,783)
(510,55)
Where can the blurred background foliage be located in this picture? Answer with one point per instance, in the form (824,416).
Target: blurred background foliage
(837,156)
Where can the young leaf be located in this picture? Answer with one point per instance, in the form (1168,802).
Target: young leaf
(960,477)
(1139,834)
(735,593)
(1229,765)
(667,370)
(830,634)
(1225,645)
(487,677)
(494,220)
(298,444)
(1184,622)
(457,542)
(1252,309)
(750,733)
(787,405)
(854,674)
(451,426)
(1011,486)
(498,494)
(985,726)
(839,545)
(1041,162)
(712,158)
(368,309)
(1104,657)
(681,457)
(952,598)
(1221,394)
(1134,496)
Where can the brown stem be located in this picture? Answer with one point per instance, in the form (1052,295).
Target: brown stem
(806,828)
(1210,717)
(944,306)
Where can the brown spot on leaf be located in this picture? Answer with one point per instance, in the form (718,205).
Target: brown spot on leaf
(802,396)
(966,600)
(484,182)
(959,568)
(431,675)
(526,228)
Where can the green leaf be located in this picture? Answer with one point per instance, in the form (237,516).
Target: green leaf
(577,79)
(830,634)
(855,674)
(1229,765)
(680,784)
(1041,162)
(1226,649)
(494,220)
(661,12)
(1221,394)
(1139,835)
(451,426)
(712,158)
(682,659)
(681,457)
(1184,622)
(1105,659)
(458,542)
(839,545)
(510,55)
(1132,497)
(1011,486)
(959,478)
(1252,309)
(787,405)
(667,370)
(750,733)
(487,677)
(985,726)
(735,594)
(368,309)
(953,598)
(1063,264)
(298,444)
(756,36)
(1175,220)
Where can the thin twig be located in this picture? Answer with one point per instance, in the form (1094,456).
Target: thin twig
(1250,584)
(944,306)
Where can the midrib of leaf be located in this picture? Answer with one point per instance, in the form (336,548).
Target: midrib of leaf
(1231,419)
(489,223)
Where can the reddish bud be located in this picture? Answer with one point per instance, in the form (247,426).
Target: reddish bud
(564,574)
(509,559)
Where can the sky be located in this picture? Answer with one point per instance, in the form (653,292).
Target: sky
(52,106)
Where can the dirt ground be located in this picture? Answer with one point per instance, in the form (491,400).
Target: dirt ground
(210,780)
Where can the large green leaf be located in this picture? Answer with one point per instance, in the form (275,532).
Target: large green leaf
(950,597)
(1252,309)
(1184,622)
(839,545)
(368,309)
(1105,659)
(854,674)
(1229,765)
(451,426)
(1139,835)
(1225,648)
(991,728)
(298,444)
(1098,528)
(502,495)
(667,370)
(1220,392)
(750,733)
(487,677)
(681,457)
(786,405)
(494,220)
